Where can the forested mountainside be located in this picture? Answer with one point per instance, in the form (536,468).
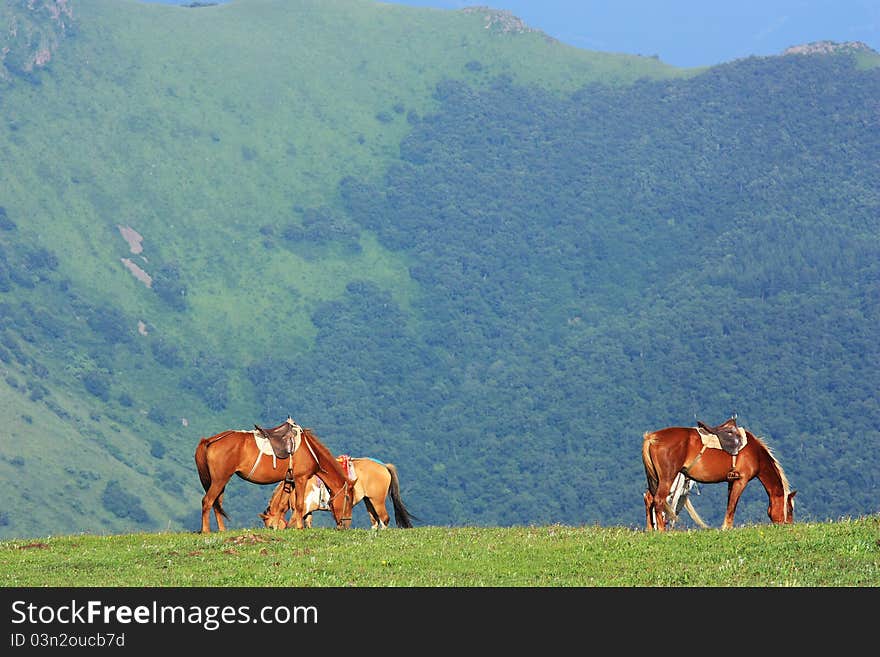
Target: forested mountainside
(489,258)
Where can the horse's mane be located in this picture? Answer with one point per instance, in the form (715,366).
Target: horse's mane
(324,454)
(776,464)
(213,439)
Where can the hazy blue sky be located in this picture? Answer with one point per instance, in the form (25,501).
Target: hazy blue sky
(687,32)
(692,32)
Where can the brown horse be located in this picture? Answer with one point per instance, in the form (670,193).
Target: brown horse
(236,452)
(375,481)
(674,450)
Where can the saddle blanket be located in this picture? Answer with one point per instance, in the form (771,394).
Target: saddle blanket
(265,446)
(347,465)
(263,443)
(711,440)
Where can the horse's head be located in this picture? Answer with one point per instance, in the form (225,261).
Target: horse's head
(279,504)
(273,520)
(781,509)
(341,504)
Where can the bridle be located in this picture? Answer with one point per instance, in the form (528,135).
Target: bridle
(346,490)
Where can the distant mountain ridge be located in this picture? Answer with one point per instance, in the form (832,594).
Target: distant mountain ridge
(500,20)
(827,48)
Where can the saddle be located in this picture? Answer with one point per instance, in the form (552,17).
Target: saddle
(730,436)
(284,438)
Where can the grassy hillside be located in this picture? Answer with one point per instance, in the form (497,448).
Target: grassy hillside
(843,553)
(437,238)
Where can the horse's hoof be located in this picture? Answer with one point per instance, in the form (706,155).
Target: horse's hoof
(733,475)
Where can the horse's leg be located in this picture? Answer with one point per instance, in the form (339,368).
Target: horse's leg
(218,511)
(209,501)
(207,504)
(659,503)
(298,508)
(735,490)
(381,513)
(649,507)
(379,517)
(299,519)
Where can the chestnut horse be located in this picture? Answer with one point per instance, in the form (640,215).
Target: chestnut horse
(673,450)
(375,481)
(236,452)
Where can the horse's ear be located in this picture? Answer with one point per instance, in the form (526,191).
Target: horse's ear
(791,494)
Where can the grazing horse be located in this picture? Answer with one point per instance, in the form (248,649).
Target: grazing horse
(237,452)
(673,450)
(375,481)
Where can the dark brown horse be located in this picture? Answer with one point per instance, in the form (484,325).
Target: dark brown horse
(236,452)
(375,482)
(672,450)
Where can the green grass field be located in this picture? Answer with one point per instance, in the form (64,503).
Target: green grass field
(845,553)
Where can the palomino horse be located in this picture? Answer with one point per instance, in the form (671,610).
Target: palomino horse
(237,452)
(674,450)
(375,481)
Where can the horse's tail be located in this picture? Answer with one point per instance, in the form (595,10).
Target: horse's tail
(651,475)
(201,457)
(402,516)
(692,512)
